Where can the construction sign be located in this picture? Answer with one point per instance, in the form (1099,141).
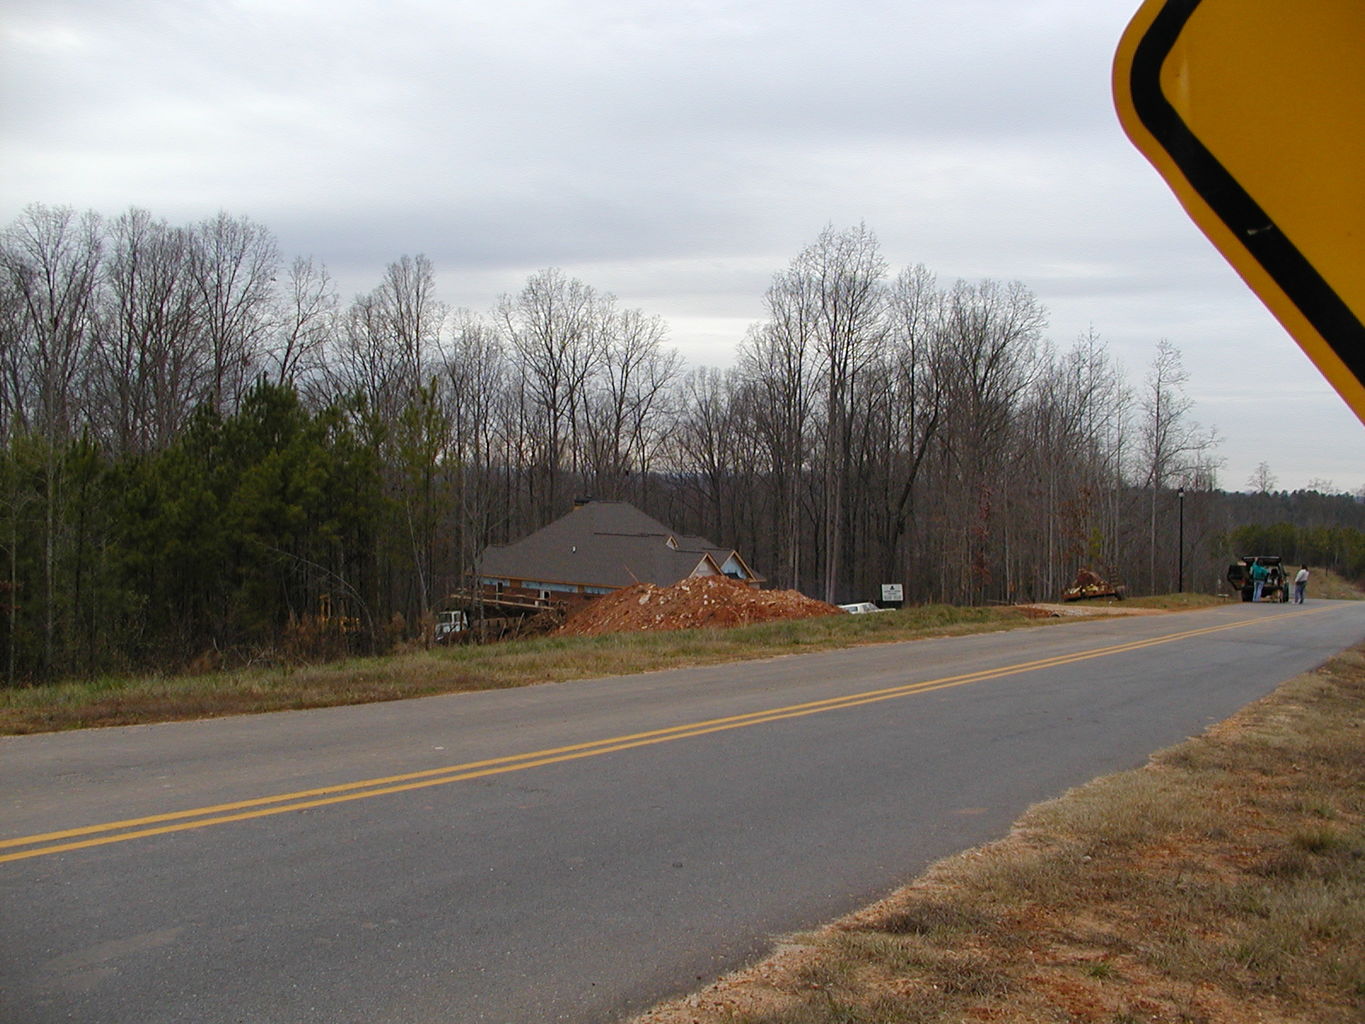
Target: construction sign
(1254,113)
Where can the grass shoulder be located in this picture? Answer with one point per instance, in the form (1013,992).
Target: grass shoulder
(142,699)
(1328,585)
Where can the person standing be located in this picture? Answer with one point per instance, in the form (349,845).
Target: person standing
(1258,577)
(1300,585)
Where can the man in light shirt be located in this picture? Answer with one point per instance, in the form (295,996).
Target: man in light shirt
(1300,585)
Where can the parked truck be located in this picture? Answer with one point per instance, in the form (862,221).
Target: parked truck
(1276,585)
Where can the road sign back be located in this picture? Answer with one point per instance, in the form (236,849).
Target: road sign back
(1254,113)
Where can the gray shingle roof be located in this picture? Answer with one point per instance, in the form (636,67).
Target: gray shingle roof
(603,544)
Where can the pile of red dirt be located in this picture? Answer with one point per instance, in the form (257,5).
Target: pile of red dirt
(689,604)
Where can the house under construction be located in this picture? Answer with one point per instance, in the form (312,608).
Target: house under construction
(598,547)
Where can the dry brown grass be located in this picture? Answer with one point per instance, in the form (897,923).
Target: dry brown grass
(285,686)
(1323,583)
(132,700)
(1224,882)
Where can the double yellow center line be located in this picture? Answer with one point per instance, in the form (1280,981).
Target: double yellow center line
(260,807)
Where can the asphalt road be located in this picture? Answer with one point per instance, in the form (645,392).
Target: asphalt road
(572,852)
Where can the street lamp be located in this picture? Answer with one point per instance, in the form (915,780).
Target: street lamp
(1180,588)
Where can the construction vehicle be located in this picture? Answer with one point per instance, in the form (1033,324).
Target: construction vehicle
(486,614)
(448,623)
(1276,585)
(1090,585)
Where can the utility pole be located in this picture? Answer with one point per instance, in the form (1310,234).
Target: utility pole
(1180,576)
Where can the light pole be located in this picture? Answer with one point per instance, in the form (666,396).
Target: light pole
(1180,576)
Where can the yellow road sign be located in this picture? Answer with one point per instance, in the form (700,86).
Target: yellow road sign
(1254,113)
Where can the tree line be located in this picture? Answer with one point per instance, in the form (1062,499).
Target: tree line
(1306,527)
(208,454)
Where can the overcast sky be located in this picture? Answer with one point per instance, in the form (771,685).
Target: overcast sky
(674,154)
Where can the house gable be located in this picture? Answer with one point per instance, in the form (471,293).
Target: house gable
(604,545)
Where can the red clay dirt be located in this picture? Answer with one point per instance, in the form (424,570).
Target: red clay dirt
(689,604)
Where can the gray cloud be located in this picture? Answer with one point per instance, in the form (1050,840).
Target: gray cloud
(675,154)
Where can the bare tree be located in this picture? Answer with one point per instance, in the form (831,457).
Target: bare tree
(1262,481)
(412,320)
(847,270)
(151,367)
(389,344)
(50,261)
(1065,469)
(233,266)
(992,332)
(413,316)
(477,395)
(363,363)
(918,375)
(1170,443)
(388,356)
(307,322)
(1106,414)
(551,329)
(629,393)
(703,447)
(777,360)
(13,376)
